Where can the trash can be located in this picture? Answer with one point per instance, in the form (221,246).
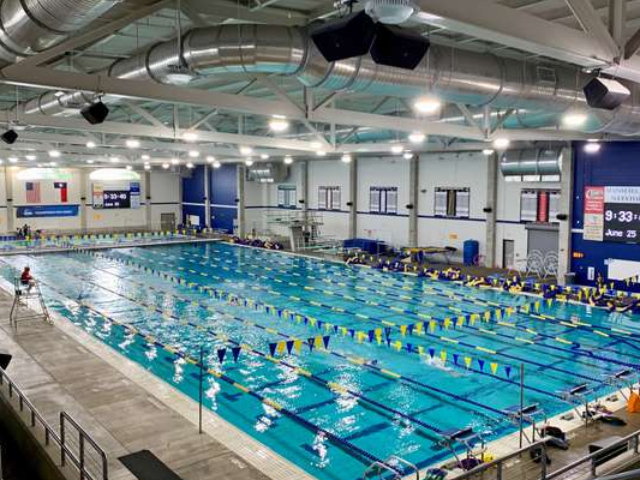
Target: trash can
(470,251)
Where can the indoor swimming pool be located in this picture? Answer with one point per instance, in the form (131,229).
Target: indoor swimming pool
(335,367)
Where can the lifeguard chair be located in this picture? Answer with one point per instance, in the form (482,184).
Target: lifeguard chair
(24,301)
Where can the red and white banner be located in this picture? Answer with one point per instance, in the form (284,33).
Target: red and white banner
(594,214)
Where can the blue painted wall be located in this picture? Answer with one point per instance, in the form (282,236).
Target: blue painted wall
(224,192)
(193,195)
(616,164)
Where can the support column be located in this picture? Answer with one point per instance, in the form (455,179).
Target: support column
(304,188)
(492,206)
(8,180)
(207,197)
(180,199)
(565,207)
(353,198)
(414,178)
(84,222)
(147,201)
(242,204)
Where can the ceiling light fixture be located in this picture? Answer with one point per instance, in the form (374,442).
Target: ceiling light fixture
(321,153)
(114,159)
(54,153)
(190,165)
(90,162)
(592,146)
(346,158)
(129,167)
(407,155)
(190,136)
(211,159)
(427,105)
(288,160)
(165,166)
(13,159)
(488,151)
(574,119)
(145,157)
(397,149)
(248,162)
(31,157)
(132,143)
(246,150)
(264,156)
(175,161)
(91,144)
(501,143)
(194,153)
(279,124)
(216,164)
(417,137)
(147,167)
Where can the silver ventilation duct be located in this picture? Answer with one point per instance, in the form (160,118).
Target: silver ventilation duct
(31,26)
(268,172)
(454,75)
(532,161)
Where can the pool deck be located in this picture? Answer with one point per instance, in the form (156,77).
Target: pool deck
(127,409)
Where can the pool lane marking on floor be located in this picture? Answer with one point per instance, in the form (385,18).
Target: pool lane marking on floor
(395,326)
(524,309)
(420,353)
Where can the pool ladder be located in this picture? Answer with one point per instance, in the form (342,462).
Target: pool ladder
(380,469)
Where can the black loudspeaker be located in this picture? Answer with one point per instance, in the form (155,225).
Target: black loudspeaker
(10,137)
(409,207)
(95,113)
(399,48)
(5,359)
(487,209)
(348,37)
(562,217)
(605,93)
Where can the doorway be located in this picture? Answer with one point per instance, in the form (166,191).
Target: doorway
(167,222)
(508,254)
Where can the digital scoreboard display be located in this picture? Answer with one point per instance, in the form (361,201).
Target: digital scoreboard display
(622,222)
(612,214)
(116,199)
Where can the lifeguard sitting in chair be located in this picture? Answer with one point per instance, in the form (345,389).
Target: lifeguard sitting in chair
(27,280)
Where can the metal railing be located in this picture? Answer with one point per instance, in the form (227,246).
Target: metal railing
(80,459)
(530,462)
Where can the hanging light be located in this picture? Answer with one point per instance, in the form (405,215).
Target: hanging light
(279,124)
(488,151)
(145,157)
(248,162)
(90,161)
(321,153)
(592,146)
(427,105)
(288,160)
(501,143)
(397,149)
(114,160)
(346,158)
(417,137)
(407,155)
(147,167)
(190,165)
(132,143)
(54,153)
(129,167)
(264,156)
(165,166)
(216,164)
(211,159)
(574,119)
(244,150)
(194,153)
(91,144)
(175,161)
(190,136)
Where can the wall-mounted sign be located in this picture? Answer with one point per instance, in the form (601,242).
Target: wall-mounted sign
(612,214)
(43,211)
(116,195)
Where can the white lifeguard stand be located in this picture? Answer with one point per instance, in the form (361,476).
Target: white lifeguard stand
(24,301)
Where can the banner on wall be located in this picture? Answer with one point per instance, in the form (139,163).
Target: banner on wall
(593,214)
(47,211)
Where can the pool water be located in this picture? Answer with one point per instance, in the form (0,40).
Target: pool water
(336,366)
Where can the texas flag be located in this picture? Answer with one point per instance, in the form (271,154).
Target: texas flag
(62,187)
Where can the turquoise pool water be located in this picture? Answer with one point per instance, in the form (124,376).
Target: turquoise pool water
(333,410)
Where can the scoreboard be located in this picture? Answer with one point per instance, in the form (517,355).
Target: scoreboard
(612,214)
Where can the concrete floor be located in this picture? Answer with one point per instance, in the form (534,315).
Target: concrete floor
(58,370)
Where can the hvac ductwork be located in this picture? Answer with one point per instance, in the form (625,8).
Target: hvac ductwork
(31,26)
(456,76)
(532,161)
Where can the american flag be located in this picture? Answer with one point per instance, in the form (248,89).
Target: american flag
(33,192)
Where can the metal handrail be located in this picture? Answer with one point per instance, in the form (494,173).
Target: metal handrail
(83,437)
(50,433)
(498,462)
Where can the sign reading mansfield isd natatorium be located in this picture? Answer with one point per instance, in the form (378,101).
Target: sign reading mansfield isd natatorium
(612,214)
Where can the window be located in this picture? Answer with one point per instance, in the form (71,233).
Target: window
(452,202)
(383,200)
(287,196)
(329,198)
(539,205)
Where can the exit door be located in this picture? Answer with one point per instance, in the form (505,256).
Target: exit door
(508,254)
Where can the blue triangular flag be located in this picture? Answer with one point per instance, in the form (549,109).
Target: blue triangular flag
(325,341)
(235,351)
(289,346)
(481,365)
(272,348)
(310,342)
(432,352)
(222,352)
(372,334)
(507,370)
(455,358)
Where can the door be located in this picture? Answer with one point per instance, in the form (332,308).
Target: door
(508,254)
(543,240)
(167,221)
